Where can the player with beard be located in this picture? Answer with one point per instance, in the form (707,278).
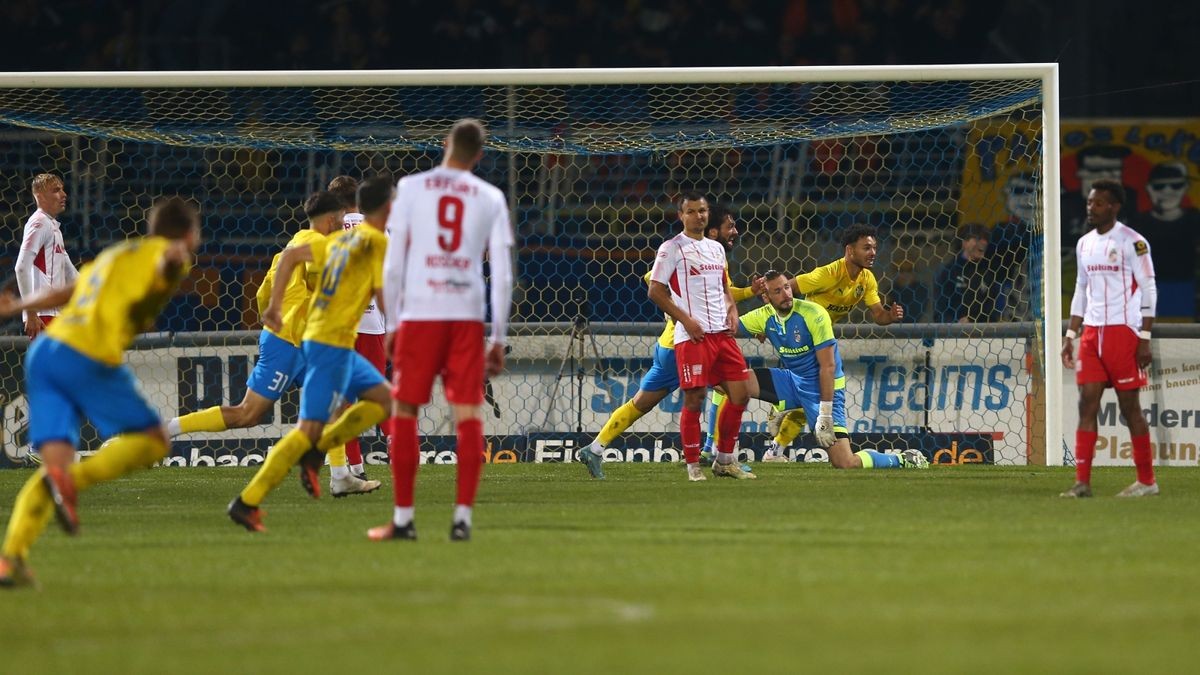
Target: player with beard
(663,378)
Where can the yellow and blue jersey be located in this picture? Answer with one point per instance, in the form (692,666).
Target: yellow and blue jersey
(831,287)
(117,296)
(351,272)
(298,293)
(797,336)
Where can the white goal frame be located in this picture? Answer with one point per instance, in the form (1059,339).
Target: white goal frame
(1047,73)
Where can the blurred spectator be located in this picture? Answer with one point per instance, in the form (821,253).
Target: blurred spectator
(1011,244)
(909,291)
(965,289)
(1173,231)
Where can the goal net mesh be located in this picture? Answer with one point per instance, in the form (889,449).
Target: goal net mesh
(591,173)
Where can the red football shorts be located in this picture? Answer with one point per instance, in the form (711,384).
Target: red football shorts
(712,361)
(373,349)
(452,350)
(1109,354)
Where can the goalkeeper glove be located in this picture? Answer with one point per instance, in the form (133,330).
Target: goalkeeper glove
(824,426)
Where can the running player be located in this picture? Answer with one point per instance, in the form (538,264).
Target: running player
(75,371)
(351,264)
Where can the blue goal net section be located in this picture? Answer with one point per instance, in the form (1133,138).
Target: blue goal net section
(949,167)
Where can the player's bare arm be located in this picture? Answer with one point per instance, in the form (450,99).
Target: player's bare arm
(1068,350)
(292,256)
(731,319)
(50,298)
(886,315)
(660,295)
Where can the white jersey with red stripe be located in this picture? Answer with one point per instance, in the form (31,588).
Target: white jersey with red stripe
(441,223)
(694,270)
(371,322)
(43,262)
(1115,282)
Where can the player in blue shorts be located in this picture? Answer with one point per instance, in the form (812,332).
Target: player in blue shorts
(811,377)
(75,369)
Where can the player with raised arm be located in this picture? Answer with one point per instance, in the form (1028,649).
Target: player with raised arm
(837,287)
(1114,303)
(351,264)
(43,262)
(689,282)
(663,376)
(369,343)
(75,371)
(811,375)
(280,363)
(442,222)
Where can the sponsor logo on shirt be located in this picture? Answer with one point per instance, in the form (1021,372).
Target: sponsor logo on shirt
(702,268)
(1140,247)
(448,286)
(1104,268)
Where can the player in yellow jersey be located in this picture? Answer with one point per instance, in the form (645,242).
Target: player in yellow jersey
(74,370)
(351,264)
(280,363)
(838,287)
(663,376)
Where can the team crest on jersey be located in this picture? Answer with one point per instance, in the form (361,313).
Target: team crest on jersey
(1140,247)
(1112,255)
(858,291)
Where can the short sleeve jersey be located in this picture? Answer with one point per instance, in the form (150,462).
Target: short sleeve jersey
(831,287)
(796,336)
(351,272)
(298,293)
(1110,268)
(694,270)
(666,339)
(117,296)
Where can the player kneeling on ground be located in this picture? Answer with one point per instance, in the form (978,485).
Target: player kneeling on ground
(812,378)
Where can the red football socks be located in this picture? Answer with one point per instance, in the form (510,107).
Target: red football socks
(1085,450)
(406,454)
(470,461)
(689,434)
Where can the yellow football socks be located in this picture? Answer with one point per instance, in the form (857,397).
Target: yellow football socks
(337,456)
(356,419)
(31,512)
(209,419)
(118,456)
(621,419)
(792,426)
(280,459)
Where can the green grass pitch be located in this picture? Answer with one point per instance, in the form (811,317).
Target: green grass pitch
(964,569)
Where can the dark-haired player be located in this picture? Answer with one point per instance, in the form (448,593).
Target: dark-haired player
(75,370)
(351,273)
(1114,304)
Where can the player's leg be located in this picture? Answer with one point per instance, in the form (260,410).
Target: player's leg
(325,375)
(791,425)
(367,385)
(656,384)
(1120,359)
(1092,378)
(462,379)
(374,351)
(280,365)
(730,370)
(692,361)
(418,354)
(716,402)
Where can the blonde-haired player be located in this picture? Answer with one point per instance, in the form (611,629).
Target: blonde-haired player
(42,262)
(75,371)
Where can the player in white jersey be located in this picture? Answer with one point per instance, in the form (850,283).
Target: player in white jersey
(42,262)
(688,282)
(1114,303)
(370,340)
(442,222)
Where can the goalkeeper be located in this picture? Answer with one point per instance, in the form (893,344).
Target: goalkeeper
(812,379)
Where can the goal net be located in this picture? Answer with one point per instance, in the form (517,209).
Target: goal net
(592,162)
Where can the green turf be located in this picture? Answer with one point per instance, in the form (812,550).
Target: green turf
(967,569)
